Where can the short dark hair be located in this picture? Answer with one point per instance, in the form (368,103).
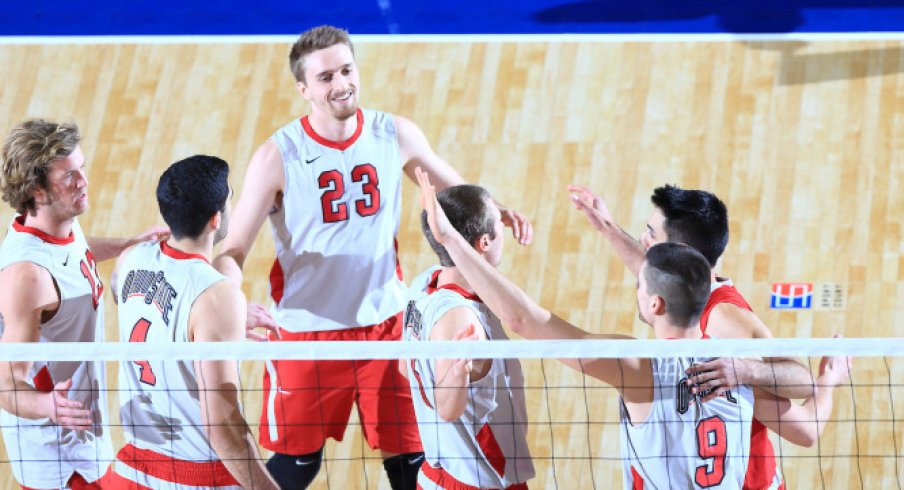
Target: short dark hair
(315,39)
(681,276)
(190,192)
(694,217)
(466,207)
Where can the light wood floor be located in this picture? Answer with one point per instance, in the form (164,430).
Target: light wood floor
(804,142)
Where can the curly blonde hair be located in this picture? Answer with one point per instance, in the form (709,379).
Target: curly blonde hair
(28,153)
(315,39)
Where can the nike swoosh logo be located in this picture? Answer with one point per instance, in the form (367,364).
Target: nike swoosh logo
(66,262)
(299,462)
(310,160)
(416,460)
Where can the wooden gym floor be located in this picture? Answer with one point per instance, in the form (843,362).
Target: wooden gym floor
(804,142)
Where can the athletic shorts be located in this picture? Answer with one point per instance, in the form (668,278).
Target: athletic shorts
(306,402)
(143,469)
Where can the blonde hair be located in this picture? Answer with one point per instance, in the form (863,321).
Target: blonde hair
(315,39)
(28,153)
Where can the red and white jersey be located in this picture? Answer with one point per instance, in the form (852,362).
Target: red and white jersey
(685,443)
(156,286)
(42,454)
(487,446)
(336,264)
(762,471)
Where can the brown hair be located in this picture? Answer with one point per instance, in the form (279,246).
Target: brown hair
(320,37)
(29,151)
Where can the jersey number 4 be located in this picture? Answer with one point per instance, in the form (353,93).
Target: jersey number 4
(712,444)
(333,182)
(140,334)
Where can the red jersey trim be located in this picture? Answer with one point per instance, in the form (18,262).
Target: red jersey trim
(491,449)
(42,380)
(162,467)
(722,294)
(636,480)
(19,226)
(178,254)
(448,482)
(420,385)
(432,288)
(277,281)
(337,145)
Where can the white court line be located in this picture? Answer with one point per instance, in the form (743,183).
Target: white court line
(463,38)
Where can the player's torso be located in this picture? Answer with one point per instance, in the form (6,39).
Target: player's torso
(685,443)
(335,229)
(160,410)
(79,317)
(487,446)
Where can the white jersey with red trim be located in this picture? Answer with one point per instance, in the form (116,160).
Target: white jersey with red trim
(686,443)
(156,286)
(42,454)
(336,264)
(487,446)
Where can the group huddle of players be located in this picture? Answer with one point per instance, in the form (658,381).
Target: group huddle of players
(330,184)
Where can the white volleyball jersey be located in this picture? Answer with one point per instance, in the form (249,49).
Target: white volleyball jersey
(160,410)
(686,443)
(487,446)
(336,265)
(42,454)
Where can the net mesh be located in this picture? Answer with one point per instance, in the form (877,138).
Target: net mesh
(573,421)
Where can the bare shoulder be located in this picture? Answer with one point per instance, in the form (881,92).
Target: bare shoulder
(27,284)
(454,320)
(267,162)
(729,321)
(218,314)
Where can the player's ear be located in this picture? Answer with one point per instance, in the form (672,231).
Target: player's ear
(214,223)
(482,244)
(657,305)
(302,89)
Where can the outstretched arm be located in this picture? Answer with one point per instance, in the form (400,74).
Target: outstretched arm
(511,304)
(261,190)
(597,213)
(28,293)
(781,376)
(108,248)
(803,424)
(216,316)
(417,153)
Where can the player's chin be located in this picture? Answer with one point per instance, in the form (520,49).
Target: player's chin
(345,111)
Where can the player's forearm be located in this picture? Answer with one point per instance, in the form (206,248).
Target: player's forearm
(21,399)
(512,305)
(236,448)
(108,248)
(782,377)
(628,249)
(450,390)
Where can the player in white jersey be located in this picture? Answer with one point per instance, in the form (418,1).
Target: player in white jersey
(673,287)
(471,414)
(182,420)
(331,185)
(53,412)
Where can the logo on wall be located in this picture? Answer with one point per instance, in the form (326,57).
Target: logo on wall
(792,296)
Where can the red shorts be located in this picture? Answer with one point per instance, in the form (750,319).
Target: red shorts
(312,400)
(148,469)
(76,482)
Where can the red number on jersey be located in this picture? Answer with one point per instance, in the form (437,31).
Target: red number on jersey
(332,181)
(368,174)
(89,270)
(140,334)
(712,444)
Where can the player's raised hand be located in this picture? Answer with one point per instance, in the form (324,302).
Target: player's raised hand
(834,370)
(520,225)
(593,207)
(260,317)
(439,224)
(66,413)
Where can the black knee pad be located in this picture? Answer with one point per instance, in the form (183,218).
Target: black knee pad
(294,472)
(402,470)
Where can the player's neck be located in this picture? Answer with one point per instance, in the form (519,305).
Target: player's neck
(665,330)
(331,128)
(50,224)
(202,246)
(451,275)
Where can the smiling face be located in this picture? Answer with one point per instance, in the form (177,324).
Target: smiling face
(66,195)
(331,82)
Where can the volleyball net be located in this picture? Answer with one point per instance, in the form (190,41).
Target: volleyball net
(573,422)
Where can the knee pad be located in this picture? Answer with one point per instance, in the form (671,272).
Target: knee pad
(295,472)
(402,470)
